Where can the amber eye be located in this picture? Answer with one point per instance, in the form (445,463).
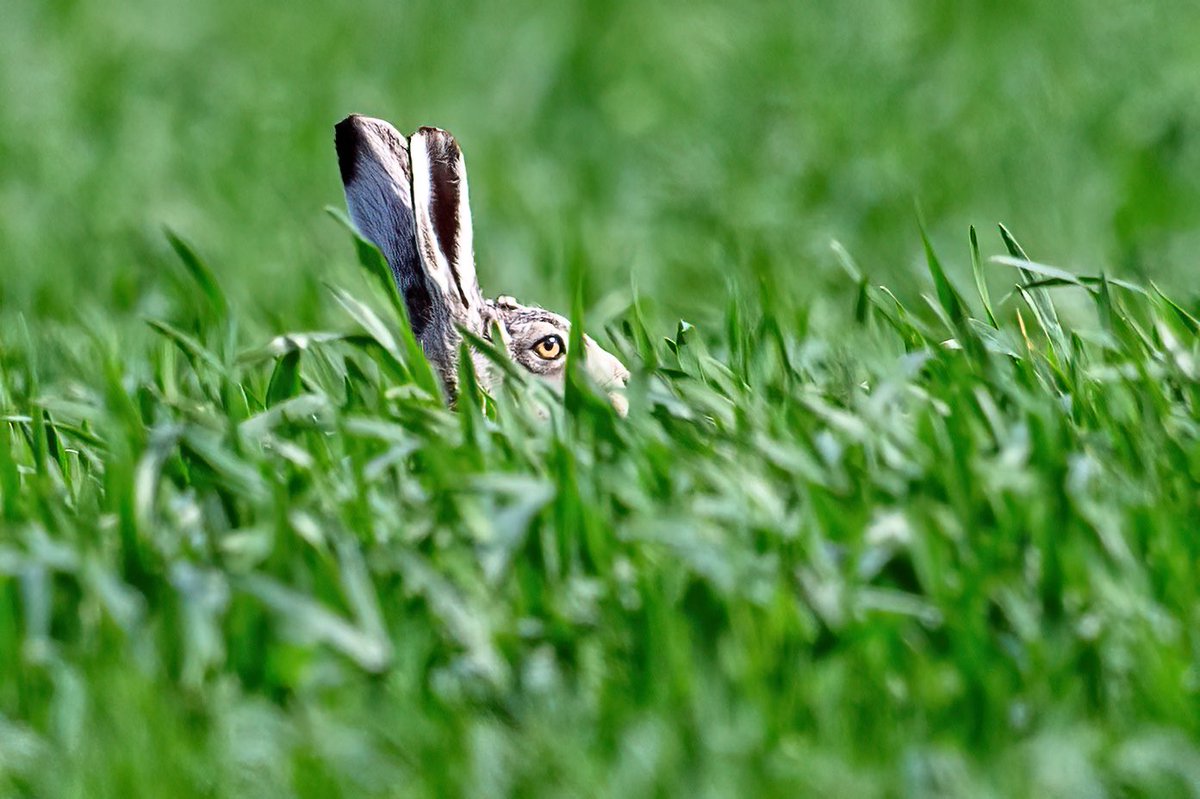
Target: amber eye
(549,348)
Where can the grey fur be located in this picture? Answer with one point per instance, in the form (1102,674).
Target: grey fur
(409,197)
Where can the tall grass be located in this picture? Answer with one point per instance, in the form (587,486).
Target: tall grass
(943,555)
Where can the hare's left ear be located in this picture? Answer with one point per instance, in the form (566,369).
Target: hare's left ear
(377,174)
(442,207)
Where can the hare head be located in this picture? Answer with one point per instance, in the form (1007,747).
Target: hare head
(408,196)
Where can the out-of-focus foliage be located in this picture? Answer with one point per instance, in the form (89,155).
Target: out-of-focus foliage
(684,143)
(941,557)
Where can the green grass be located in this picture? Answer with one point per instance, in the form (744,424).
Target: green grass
(941,557)
(863,533)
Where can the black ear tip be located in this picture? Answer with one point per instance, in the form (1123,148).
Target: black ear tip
(347,137)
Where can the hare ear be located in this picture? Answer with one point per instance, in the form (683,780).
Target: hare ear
(377,175)
(443,220)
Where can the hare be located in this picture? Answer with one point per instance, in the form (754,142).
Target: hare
(408,197)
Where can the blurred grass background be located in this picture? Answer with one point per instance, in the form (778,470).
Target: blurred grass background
(682,143)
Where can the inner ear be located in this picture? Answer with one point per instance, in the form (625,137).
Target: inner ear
(444,205)
(443,224)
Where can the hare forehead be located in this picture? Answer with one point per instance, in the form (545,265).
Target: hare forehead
(526,322)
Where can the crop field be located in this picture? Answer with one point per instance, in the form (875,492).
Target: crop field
(906,503)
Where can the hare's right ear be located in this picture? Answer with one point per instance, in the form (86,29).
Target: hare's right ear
(445,238)
(377,175)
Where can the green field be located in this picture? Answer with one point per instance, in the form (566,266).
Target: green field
(899,509)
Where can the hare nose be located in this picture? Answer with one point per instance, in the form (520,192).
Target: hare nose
(609,373)
(604,367)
